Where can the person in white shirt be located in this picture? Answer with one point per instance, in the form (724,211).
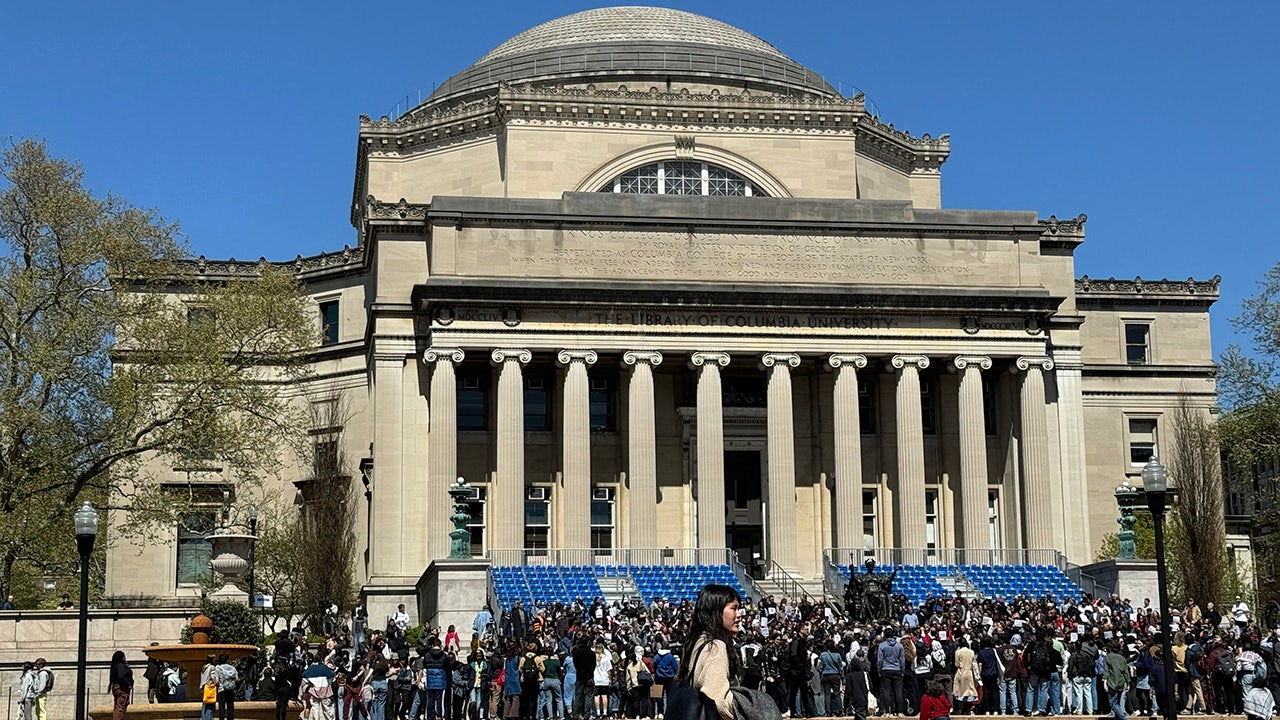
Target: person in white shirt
(1240,613)
(399,618)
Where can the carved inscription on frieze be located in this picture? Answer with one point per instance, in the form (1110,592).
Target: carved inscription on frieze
(666,255)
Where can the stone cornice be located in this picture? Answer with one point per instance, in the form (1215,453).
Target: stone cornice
(348,259)
(901,149)
(1111,288)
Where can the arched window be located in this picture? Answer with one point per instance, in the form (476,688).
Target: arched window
(681,177)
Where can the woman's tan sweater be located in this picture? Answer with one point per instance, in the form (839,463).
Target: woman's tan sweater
(711,675)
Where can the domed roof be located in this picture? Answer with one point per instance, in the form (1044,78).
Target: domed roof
(626,24)
(637,42)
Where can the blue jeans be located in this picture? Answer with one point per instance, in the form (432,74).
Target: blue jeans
(550,699)
(1055,694)
(1037,694)
(1009,696)
(378,707)
(1081,695)
(1117,703)
(479,700)
(206,711)
(419,700)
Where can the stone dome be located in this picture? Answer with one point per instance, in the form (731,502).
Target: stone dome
(635,42)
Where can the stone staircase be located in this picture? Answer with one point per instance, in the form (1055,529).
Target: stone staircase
(959,583)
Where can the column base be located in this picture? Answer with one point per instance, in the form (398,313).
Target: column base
(451,592)
(381,595)
(1132,579)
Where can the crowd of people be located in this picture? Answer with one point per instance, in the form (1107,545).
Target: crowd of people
(944,657)
(947,656)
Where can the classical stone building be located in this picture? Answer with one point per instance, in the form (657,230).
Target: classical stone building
(646,282)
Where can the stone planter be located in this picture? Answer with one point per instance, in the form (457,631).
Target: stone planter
(231,560)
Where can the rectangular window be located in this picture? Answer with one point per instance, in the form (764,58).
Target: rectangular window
(870,520)
(324,458)
(537,403)
(473,402)
(1142,441)
(602,507)
(931,523)
(603,403)
(194,549)
(1137,343)
(993,519)
(475,508)
(928,406)
(329,322)
(867,407)
(197,314)
(537,518)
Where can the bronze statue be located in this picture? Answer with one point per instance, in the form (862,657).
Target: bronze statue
(868,595)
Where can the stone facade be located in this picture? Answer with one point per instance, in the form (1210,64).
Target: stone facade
(829,359)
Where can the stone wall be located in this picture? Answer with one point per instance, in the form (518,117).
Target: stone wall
(53,634)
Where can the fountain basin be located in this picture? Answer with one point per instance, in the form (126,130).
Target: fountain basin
(192,658)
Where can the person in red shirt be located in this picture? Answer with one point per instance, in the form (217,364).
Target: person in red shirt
(935,703)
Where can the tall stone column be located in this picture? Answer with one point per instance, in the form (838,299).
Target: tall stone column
(910,424)
(387,501)
(781,524)
(973,451)
(575,497)
(1074,516)
(848,450)
(507,493)
(1036,481)
(642,451)
(442,444)
(710,448)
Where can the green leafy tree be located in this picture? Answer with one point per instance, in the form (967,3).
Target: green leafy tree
(115,350)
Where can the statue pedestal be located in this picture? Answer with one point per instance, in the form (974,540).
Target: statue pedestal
(1132,579)
(451,592)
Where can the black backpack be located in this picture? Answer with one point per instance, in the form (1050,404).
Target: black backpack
(1225,662)
(1041,661)
(1082,663)
(529,672)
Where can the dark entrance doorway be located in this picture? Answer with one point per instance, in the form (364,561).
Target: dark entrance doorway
(744,509)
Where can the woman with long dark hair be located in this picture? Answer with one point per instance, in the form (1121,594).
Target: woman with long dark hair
(710,663)
(121,685)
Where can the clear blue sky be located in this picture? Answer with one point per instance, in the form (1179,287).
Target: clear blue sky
(239,119)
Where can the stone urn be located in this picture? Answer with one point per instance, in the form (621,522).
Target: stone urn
(231,560)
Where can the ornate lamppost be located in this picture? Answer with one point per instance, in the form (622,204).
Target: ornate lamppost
(1127,545)
(1155,480)
(86,524)
(460,536)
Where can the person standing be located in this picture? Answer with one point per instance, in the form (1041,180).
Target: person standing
(155,689)
(228,677)
(1115,676)
(43,684)
(891,660)
(27,690)
(208,687)
(831,664)
(121,683)
(584,664)
(713,667)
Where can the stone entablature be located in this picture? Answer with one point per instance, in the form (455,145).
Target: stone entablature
(1203,290)
(309,267)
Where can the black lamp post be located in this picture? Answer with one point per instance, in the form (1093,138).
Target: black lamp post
(1155,480)
(86,522)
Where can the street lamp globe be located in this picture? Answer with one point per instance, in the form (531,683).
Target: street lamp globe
(86,521)
(1155,477)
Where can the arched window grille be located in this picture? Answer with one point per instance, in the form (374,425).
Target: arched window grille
(682,177)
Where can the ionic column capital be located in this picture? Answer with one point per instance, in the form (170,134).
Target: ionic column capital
(1028,362)
(769,360)
(982,362)
(699,359)
(448,354)
(501,355)
(565,357)
(652,357)
(854,360)
(898,362)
